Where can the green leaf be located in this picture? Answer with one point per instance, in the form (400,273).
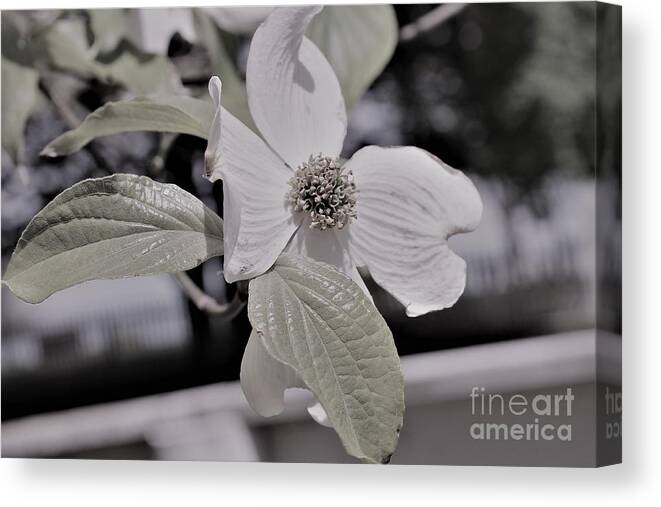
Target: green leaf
(113,227)
(19,95)
(221,62)
(234,97)
(319,322)
(183,115)
(358,41)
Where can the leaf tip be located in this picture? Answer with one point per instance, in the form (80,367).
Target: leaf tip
(48,151)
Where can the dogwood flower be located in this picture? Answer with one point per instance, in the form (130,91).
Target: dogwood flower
(390,210)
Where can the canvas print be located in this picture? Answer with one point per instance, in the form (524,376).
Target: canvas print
(348,234)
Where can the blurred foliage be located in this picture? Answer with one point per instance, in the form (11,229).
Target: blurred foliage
(89,44)
(19,95)
(41,49)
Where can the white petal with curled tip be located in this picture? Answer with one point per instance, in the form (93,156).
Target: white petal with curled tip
(293,93)
(409,203)
(212,154)
(327,246)
(264,379)
(319,414)
(258,221)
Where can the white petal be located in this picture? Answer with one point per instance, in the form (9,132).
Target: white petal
(264,379)
(213,154)
(319,414)
(327,246)
(409,203)
(258,220)
(293,93)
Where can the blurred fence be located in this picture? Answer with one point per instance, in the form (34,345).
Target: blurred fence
(215,423)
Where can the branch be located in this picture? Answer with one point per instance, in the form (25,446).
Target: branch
(206,303)
(429,21)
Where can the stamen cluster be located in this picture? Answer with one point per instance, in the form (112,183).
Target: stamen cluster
(325,190)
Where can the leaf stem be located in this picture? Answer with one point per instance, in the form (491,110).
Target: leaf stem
(429,21)
(206,303)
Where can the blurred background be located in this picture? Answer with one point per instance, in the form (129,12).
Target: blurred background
(131,369)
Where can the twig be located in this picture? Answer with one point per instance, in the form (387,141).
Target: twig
(429,21)
(63,109)
(206,303)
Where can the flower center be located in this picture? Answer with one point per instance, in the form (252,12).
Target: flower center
(325,190)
